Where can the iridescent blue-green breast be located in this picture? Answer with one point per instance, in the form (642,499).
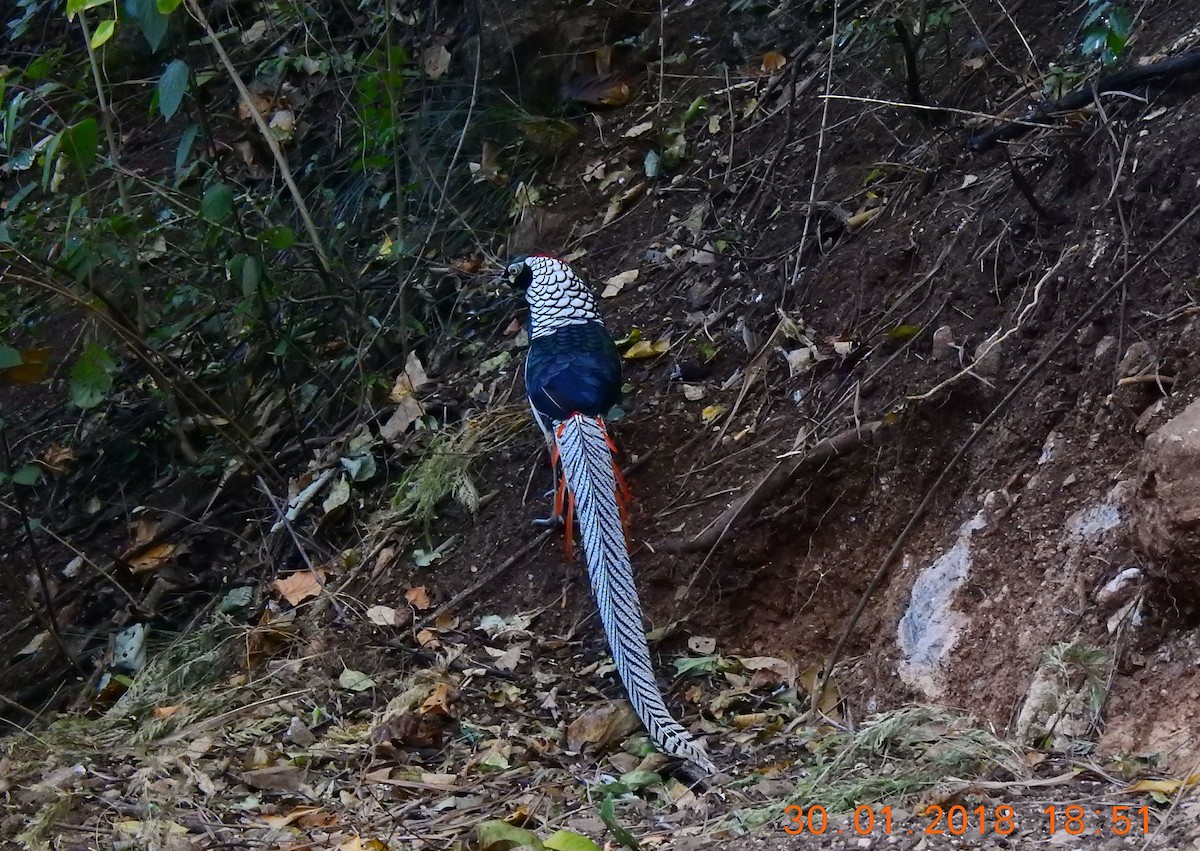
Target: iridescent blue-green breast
(576,369)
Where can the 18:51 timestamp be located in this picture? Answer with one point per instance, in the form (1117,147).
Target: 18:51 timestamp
(957,820)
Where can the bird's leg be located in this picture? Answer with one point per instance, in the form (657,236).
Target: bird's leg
(556,518)
(559,491)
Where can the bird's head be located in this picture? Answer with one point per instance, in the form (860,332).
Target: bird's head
(518,272)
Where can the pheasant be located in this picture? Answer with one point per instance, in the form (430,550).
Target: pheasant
(573,378)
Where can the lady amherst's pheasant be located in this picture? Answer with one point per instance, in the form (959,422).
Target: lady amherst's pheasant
(573,377)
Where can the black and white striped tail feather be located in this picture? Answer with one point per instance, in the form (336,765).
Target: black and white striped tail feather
(587,465)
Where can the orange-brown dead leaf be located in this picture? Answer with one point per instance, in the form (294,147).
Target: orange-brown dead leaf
(153,558)
(58,458)
(773,62)
(33,369)
(439,702)
(300,586)
(418,598)
(602,725)
(166,711)
(470,265)
(611,90)
(428,638)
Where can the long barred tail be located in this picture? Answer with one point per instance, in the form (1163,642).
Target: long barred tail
(587,463)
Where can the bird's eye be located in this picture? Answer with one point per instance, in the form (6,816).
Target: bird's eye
(514,269)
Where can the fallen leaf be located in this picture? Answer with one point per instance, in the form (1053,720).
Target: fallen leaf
(773,62)
(276,778)
(258,102)
(338,495)
(428,638)
(58,458)
(355,680)
(410,381)
(609,90)
(646,349)
(693,393)
(435,61)
(34,366)
(407,412)
(166,711)
(1163,787)
(301,585)
(639,130)
(601,725)
(440,700)
(384,616)
(616,283)
(702,644)
(418,597)
(711,413)
(282,821)
(282,123)
(799,360)
(469,265)
(502,836)
(153,558)
(255,32)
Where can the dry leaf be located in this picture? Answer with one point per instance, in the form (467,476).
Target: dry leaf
(152,559)
(773,62)
(647,349)
(278,822)
(470,265)
(283,122)
(384,616)
(711,413)
(355,680)
(435,61)
(610,90)
(439,702)
(301,585)
(428,638)
(57,458)
(166,711)
(277,778)
(639,130)
(616,283)
(411,380)
(418,598)
(34,366)
(259,102)
(407,412)
(1163,787)
(702,644)
(693,393)
(601,725)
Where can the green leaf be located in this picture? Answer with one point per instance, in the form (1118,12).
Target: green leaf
(251,276)
(9,357)
(217,203)
(903,332)
(279,237)
(185,144)
(1120,21)
(27,476)
(74,7)
(172,86)
(166,7)
(91,377)
(641,779)
(152,22)
(609,817)
(103,32)
(565,840)
(502,836)
(79,141)
(355,680)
